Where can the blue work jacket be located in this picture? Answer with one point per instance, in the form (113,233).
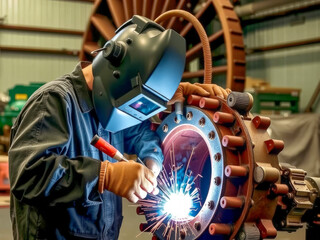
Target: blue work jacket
(54,170)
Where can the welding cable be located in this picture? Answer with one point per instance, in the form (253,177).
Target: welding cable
(202,34)
(205,43)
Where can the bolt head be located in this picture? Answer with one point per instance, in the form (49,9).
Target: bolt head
(241,236)
(116,74)
(211,205)
(197,226)
(217,181)
(217,157)
(182,234)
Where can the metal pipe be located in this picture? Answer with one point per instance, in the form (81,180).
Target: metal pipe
(40,50)
(277,8)
(39,29)
(283,45)
(252,8)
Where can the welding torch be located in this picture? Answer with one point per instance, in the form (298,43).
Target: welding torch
(101,144)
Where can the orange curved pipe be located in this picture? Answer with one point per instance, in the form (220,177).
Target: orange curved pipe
(202,34)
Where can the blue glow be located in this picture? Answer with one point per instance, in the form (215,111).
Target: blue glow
(144,106)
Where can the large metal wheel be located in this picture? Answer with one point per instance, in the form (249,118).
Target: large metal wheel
(238,165)
(217,16)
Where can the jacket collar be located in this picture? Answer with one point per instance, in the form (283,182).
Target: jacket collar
(84,95)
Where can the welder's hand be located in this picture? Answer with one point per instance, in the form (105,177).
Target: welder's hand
(130,180)
(186,89)
(153,166)
(215,90)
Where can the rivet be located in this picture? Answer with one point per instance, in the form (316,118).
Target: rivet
(197,226)
(211,135)
(176,120)
(211,205)
(129,41)
(217,181)
(165,128)
(286,172)
(189,116)
(202,122)
(116,74)
(290,195)
(217,157)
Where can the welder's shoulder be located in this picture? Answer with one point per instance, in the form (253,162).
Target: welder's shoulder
(58,93)
(59,87)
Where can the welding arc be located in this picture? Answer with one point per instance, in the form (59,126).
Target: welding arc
(164,208)
(202,35)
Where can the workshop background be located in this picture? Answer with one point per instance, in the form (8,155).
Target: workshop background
(41,40)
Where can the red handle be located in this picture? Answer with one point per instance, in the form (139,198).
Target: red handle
(103,146)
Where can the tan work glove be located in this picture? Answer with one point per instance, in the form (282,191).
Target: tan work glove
(215,90)
(153,166)
(186,89)
(130,180)
(204,90)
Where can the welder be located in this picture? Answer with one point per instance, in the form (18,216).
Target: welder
(61,186)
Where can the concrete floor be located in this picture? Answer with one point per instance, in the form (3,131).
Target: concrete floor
(129,230)
(5,224)
(130,227)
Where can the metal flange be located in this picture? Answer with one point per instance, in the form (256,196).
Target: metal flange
(238,165)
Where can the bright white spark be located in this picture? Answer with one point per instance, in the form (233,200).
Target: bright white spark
(177,200)
(179,206)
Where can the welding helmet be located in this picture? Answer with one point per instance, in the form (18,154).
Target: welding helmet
(136,73)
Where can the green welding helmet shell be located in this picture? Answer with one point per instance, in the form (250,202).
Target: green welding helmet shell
(136,73)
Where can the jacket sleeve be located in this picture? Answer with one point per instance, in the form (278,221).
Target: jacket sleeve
(144,142)
(40,172)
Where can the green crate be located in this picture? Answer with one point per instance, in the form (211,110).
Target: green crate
(276,100)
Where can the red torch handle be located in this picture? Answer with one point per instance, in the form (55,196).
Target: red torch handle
(103,146)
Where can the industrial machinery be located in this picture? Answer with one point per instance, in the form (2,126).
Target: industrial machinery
(217,17)
(221,168)
(221,176)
